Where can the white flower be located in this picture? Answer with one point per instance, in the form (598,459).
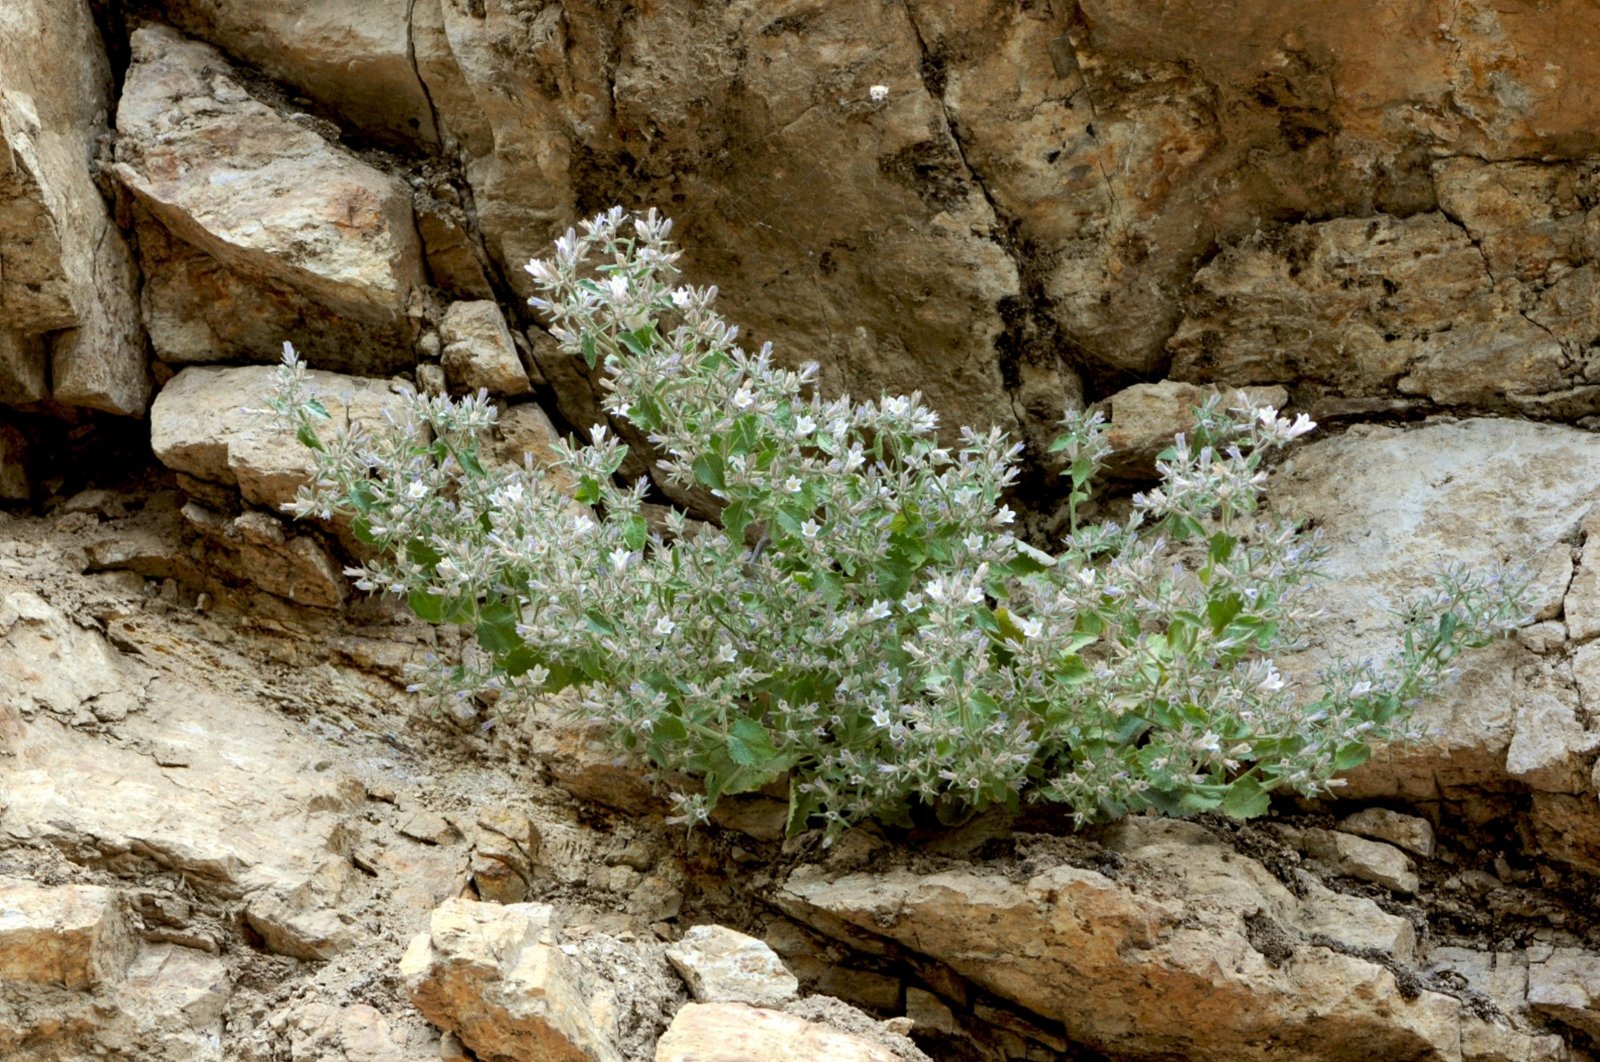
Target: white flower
(878,93)
(665,626)
(619,559)
(804,426)
(792,485)
(743,398)
(617,286)
(681,298)
(727,653)
(1031,628)
(876,611)
(1301,425)
(417,489)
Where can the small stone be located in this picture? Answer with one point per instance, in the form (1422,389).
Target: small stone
(73,936)
(428,827)
(1566,986)
(479,352)
(1380,824)
(928,1012)
(1356,857)
(737,1032)
(656,899)
(498,977)
(1545,637)
(723,965)
(431,380)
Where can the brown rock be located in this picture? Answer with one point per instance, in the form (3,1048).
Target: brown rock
(208,423)
(68,288)
(1143,419)
(13,465)
(70,935)
(737,1032)
(352,57)
(497,977)
(266,220)
(1365,307)
(721,965)
(479,352)
(1413,834)
(1199,958)
(1373,861)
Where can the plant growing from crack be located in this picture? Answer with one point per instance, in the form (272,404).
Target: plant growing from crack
(863,622)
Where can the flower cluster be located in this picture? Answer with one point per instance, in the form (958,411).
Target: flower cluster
(861,620)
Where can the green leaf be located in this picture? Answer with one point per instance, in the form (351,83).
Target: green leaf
(635,532)
(597,622)
(1350,755)
(308,437)
(801,807)
(708,471)
(1222,545)
(428,607)
(1199,801)
(668,728)
(749,744)
(420,553)
(1061,442)
(1029,560)
(735,520)
(497,627)
(639,341)
(590,354)
(1222,611)
(588,491)
(361,527)
(745,435)
(317,409)
(1246,799)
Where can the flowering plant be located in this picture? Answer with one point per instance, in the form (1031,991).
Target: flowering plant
(863,621)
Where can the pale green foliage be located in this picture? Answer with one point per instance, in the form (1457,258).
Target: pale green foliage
(864,622)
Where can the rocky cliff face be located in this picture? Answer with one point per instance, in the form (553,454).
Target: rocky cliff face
(213,844)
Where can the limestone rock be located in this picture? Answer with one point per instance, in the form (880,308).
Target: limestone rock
(1356,857)
(176,998)
(504,857)
(352,57)
(206,422)
(71,935)
(901,283)
(1188,952)
(721,965)
(68,287)
(1144,418)
(736,1032)
(1393,506)
(1566,986)
(1413,834)
(297,568)
(479,351)
(1582,603)
(49,663)
(1365,307)
(497,976)
(268,227)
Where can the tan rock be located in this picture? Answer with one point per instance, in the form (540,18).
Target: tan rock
(479,351)
(504,857)
(1413,834)
(48,662)
(1582,604)
(736,1032)
(265,219)
(1365,307)
(1144,418)
(352,57)
(207,422)
(1373,861)
(1566,986)
(297,568)
(1550,750)
(721,965)
(176,998)
(68,290)
(496,976)
(74,936)
(1199,956)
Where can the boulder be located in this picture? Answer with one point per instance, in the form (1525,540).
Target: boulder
(498,977)
(1393,506)
(1191,950)
(1362,308)
(73,936)
(68,286)
(479,351)
(1403,831)
(736,1032)
(1143,419)
(353,57)
(1356,857)
(722,965)
(257,229)
(210,423)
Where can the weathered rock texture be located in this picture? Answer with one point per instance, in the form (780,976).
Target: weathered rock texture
(69,320)
(259,230)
